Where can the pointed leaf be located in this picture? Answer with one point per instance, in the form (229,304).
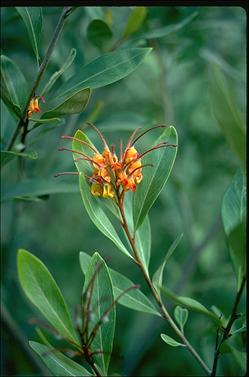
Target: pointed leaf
(32,17)
(135,20)
(234,221)
(158,275)
(181,316)
(92,204)
(105,70)
(102,299)
(134,299)
(227,114)
(7,156)
(14,90)
(170,341)
(42,290)
(155,178)
(190,304)
(67,105)
(57,363)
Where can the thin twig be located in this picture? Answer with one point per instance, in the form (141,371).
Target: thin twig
(23,122)
(227,329)
(162,307)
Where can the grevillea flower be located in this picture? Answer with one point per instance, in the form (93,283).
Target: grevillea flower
(34,105)
(112,176)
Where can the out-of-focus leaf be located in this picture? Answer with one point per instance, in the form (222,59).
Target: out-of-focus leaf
(170,341)
(91,203)
(7,156)
(42,290)
(133,299)
(105,310)
(105,70)
(57,74)
(181,316)
(167,30)
(234,221)
(67,105)
(135,20)
(239,356)
(158,275)
(227,114)
(41,121)
(57,363)
(155,177)
(98,33)
(190,304)
(38,187)
(32,17)
(14,90)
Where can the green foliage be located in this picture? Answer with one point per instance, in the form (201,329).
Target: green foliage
(42,290)
(7,156)
(99,33)
(133,299)
(155,178)
(135,20)
(170,341)
(58,364)
(32,17)
(234,221)
(227,114)
(102,309)
(181,316)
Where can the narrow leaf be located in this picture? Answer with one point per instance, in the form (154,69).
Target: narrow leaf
(227,114)
(234,221)
(181,316)
(135,20)
(190,304)
(155,178)
(134,299)
(42,290)
(105,70)
(170,341)
(7,156)
(14,89)
(32,17)
(57,363)
(158,275)
(101,301)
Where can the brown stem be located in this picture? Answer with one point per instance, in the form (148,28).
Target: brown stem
(162,307)
(23,122)
(227,329)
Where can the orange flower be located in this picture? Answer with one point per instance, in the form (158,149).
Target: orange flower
(33,107)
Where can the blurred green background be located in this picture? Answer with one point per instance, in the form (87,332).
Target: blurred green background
(171,86)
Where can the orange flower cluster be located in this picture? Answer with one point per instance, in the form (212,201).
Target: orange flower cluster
(112,176)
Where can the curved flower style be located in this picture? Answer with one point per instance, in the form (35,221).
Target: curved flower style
(112,176)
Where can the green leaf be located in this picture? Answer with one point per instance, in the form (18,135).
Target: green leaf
(14,90)
(39,122)
(168,30)
(92,204)
(7,156)
(105,70)
(57,363)
(190,304)
(32,17)
(157,279)
(37,187)
(67,105)
(57,74)
(227,114)
(98,33)
(155,177)
(135,20)
(134,299)
(102,300)
(170,341)
(42,290)
(239,356)
(234,220)
(181,316)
